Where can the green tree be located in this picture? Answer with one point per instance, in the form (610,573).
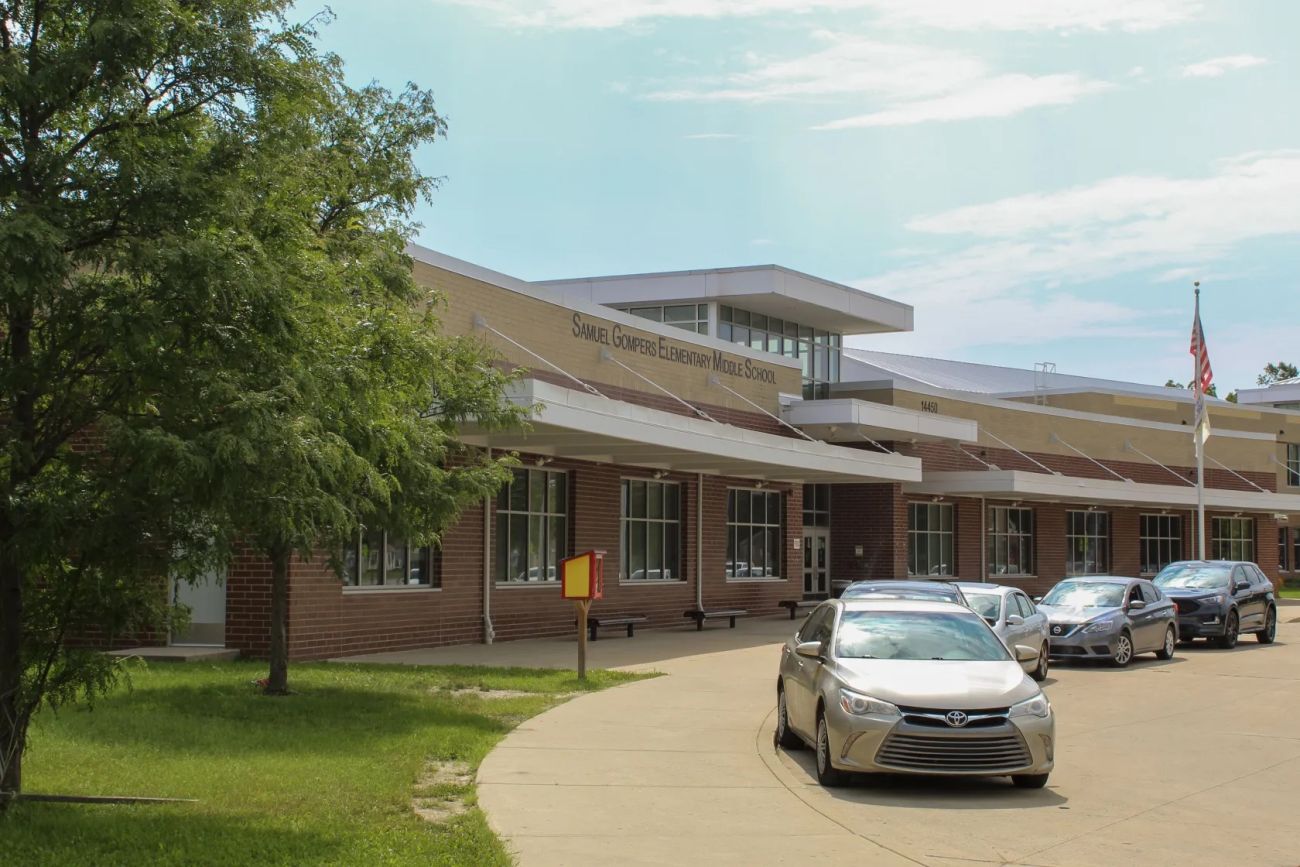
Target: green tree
(1277,372)
(203,278)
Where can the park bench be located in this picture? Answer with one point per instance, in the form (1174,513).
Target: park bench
(596,621)
(794,605)
(700,615)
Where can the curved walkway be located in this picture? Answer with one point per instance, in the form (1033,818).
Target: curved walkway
(681,770)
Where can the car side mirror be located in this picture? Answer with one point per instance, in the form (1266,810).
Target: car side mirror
(1014,620)
(809,649)
(1037,599)
(1137,605)
(1025,653)
(1240,586)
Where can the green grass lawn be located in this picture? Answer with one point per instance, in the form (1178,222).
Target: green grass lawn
(1290,593)
(325,776)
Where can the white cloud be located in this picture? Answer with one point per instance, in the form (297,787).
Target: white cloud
(1011,281)
(1007,15)
(910,83)
(1219,65)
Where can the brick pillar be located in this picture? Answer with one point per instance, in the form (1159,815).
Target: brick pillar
(969,542)
(873,518)
(1125,554)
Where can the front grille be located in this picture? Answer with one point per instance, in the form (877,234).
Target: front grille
(935,718)
(1186,606)
(1060,630)
(1068,649)
(992,754)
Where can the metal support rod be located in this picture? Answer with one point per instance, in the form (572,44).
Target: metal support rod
(480,322)
(1240,476)
(713,380)
(606,355)
(1040,464)
(975,457)
(876,444)
(1081,453)
(1128,446)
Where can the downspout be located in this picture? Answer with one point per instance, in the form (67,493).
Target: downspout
(699,541)
(488,632)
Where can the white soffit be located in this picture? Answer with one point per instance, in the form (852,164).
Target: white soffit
(1019,484)
(845,419)
(573,424)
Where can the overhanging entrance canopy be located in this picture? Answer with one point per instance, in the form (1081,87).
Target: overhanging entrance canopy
(849,419)
(1022,485)
(573,424)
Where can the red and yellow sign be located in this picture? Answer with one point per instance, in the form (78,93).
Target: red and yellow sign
(582,577)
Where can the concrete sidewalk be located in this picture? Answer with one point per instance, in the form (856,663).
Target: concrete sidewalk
(1193,761)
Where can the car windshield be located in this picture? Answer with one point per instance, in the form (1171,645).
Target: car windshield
(916,635)
(942,594)
(986,605)
(1194,577)
(1078,594)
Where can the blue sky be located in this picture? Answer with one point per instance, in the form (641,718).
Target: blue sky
(1042,180)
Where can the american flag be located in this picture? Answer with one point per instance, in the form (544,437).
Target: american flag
(1204,375)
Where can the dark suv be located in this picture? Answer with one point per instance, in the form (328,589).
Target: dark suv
(1220,599)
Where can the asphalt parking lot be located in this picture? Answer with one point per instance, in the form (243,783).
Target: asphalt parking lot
(1188,762)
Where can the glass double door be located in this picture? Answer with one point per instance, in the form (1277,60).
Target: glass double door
(816,561)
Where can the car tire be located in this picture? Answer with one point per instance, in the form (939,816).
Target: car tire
(1231,632)
(1166,650)
(1268,634)
(785,736)
(827,774)
(1123,650)
(1040,673)
(1029,781)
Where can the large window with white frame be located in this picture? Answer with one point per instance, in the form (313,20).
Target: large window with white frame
(1293,464)
(818,351)
(1087,543)
(532,526)
(1160,541)
(930,539)
(754,533)
(376,558)
(1232,539)
(651,531)
(1010,540)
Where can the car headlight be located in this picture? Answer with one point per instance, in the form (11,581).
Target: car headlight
(864,705)
(1213,600)
(1100,626)
(1037,706)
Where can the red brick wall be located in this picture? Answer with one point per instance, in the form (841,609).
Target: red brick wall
(875,518)
(248,603)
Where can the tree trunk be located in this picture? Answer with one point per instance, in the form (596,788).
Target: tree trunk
(277,681)
(13,726)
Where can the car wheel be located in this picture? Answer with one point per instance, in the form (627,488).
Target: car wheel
(1230,632)
(1166,650)
(1040,673)
(827,774)
(785,736)
(1268,634)
(1123,650)
(1029,781)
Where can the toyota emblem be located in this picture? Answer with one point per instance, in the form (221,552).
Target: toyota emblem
(956,718)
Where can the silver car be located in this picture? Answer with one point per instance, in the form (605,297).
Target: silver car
(913,687)
(1103,617)
(1014,619)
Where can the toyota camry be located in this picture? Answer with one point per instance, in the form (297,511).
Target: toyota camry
(912,687)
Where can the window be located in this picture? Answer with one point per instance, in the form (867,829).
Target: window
(1011,541)
(929,539)
(1282,550)
(1232,539)
(817,350)
(818,625)
(1160,541)
(753,534)
(377,559)
(1026,607)
(1295,549)
(689,317)
(1087,543)
(1293,464)
(651,533)
(532,526)
(816,505)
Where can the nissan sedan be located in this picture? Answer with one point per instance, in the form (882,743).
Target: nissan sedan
(911,687)
(1109,618)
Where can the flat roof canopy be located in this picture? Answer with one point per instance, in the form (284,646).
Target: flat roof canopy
(573,424)
(849,419)
(1019,484)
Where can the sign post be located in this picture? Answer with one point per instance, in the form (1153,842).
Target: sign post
(582,579)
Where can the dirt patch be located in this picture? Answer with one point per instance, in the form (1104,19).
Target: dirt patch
(501,693)
(441,789)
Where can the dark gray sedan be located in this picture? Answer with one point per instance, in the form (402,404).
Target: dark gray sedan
(1109,618)
(1220,599)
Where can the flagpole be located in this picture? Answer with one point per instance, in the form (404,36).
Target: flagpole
(1200,439)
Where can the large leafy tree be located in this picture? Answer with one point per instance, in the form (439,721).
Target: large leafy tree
(207,324)
(1277,372)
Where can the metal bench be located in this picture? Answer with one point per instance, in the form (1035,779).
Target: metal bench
(700,615)
(596,621)
(796,604)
